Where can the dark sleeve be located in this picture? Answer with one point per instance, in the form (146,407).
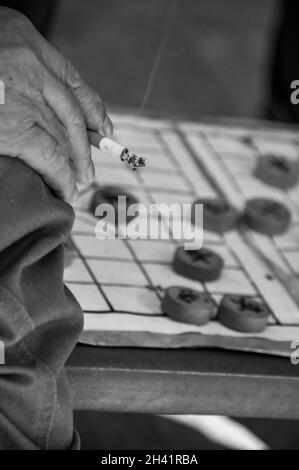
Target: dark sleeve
(40,320)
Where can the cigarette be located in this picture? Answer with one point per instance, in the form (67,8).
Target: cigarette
(115,149)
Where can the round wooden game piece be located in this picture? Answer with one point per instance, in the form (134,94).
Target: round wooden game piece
(267,216)
(218,215)
(110,195)
(188,306)
(242,314)
(203,265)
(277,171)
(69,252)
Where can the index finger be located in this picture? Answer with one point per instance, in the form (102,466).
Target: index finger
(66,107)
(93,108)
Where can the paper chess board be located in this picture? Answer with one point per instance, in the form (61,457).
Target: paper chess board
(120,283)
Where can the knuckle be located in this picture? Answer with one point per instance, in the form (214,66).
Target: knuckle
(50,151)
(16,18)
(54,155)
(24,119)
(20,19)
(24,54)
(78,118)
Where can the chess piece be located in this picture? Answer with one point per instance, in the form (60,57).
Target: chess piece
(267,216)
(277,171)
(188,306)
(242,314)
(111,195)
(218,215)
(203,265)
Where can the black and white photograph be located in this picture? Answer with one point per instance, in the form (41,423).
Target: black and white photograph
(149,228)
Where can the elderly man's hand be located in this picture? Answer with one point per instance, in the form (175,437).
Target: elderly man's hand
(47,107)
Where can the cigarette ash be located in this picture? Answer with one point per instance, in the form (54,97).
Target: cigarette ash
(132,160)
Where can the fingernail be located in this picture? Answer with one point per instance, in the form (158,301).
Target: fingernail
(107,127)
(90,174)
(108,130)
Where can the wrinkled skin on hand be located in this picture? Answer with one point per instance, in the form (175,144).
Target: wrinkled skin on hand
(47,109)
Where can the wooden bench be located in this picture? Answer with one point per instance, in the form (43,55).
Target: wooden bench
(183,382)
